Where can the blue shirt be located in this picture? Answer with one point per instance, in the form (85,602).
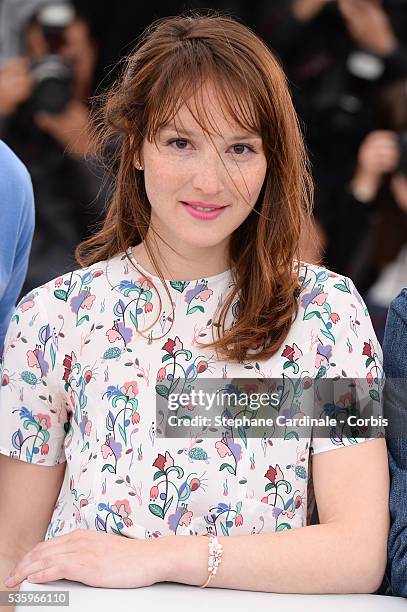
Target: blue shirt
(16,232)
(395,367)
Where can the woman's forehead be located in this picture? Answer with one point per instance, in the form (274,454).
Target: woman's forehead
(207,110)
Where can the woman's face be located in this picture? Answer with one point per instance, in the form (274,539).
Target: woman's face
(184,171)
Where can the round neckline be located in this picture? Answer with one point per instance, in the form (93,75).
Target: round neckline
(211,279)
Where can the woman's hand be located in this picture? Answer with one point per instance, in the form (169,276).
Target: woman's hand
(93,558)
(378,155)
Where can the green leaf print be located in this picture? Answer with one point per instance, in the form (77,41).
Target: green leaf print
(228,467)
(314,313)
(162,390)
(109,468)
(82,319)
(156,510)
(178,285)
(374,395)
(342,287)
(195,308)
(60,294)
(283,526)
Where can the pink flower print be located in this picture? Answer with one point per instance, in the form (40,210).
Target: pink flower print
(223,449)
(178,346)
(290,515)
(32,359)
(43,420)
(238,520)
(122,508)
(59,281)
(186,518)
(319,299)
(204,295)
(83,502)
(113,335)
(130,389)
(106,451)
(369,378)
(44,449)
(135,418)
(148,307)
(335,317)
(26,305)
(88,302)
(153,493)
(88,428)
(161,374)
(145,283)
(119,332)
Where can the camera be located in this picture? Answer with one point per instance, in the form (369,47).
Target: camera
(51,75)
(402,142)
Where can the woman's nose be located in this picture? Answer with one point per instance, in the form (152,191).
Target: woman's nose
(209,174)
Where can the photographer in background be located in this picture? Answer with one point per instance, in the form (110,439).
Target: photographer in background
(373,225)
(339,55)
(46,77)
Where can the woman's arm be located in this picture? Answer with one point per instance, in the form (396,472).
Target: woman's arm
(346,553)
(24,486)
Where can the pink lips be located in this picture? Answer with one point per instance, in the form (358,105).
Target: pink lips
(199,214)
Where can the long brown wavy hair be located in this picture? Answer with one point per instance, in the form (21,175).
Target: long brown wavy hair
(173,59)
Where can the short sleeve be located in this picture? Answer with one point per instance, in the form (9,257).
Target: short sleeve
(349,370)
(33,416)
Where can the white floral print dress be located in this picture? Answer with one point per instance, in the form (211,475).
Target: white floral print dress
(84,356)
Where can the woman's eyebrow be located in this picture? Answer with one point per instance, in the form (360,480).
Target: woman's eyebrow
(186,132)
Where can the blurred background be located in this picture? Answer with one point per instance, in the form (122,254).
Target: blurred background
(346,61)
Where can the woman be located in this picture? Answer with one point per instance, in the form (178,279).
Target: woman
(193,276)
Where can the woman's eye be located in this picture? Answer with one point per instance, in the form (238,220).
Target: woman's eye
(240,149)
(179,143)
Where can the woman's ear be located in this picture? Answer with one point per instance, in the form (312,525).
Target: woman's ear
(136,158)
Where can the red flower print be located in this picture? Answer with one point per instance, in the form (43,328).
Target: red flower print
(274,475)
(298,502)
(367,349)
(271,474)
(202,366)
(194,484)
(148,307)
(44,449)
(162,463)
(68,362)
(369,378)
(169,346)
(335,317)
(238,520)
(292,353)
(135,418)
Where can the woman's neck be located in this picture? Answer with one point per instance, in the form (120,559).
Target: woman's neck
(176,265)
